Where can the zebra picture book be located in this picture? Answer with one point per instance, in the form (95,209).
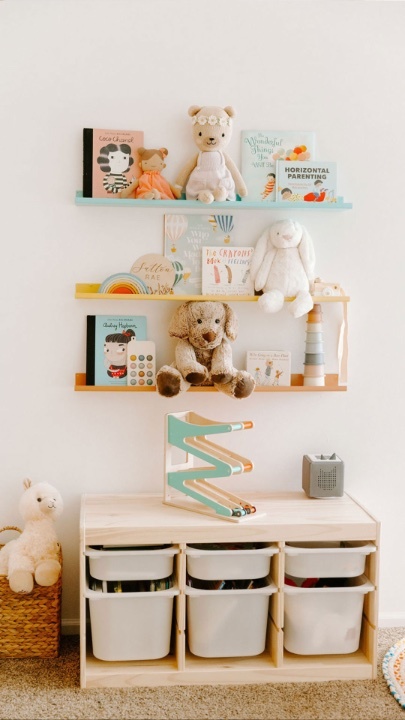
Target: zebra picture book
(261,149)
(110,161)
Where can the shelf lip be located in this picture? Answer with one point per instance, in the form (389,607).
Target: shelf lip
(330,386)
(227,205)
(89,291)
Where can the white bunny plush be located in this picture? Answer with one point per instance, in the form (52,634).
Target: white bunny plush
(283,265)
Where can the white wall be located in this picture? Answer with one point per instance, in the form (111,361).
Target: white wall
(334,67)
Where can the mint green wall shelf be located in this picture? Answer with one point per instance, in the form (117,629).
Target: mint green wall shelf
(228,205)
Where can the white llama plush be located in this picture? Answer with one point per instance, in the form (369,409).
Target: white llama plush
(35,554)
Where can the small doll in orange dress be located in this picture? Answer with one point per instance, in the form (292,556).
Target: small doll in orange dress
(152,185)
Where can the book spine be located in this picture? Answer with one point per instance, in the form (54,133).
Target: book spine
(87,162)
(90,349)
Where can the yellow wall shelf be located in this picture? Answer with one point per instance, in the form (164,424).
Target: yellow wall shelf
(89,291)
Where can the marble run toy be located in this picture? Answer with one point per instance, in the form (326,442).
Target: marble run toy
(188,431)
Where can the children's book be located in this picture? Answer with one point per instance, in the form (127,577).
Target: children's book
(307,182)
(261,149)
(226,270)
(185,236)
(269,367)
(110,161)
(106,347)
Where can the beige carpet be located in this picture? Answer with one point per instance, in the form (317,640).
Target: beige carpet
(46,689)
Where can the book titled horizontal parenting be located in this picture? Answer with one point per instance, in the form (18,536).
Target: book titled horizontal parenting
(106,346)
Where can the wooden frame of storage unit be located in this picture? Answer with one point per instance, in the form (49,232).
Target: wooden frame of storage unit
(282,517)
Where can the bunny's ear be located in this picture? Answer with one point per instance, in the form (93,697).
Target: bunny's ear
(307,254)
(179,324)
(231,322)
(258,255)
(27,483)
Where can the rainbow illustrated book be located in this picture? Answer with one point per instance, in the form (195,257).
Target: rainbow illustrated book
(269,368)
(307,182)
(110,161)
(260,151)
(106,347)
(185,236)
(226,271)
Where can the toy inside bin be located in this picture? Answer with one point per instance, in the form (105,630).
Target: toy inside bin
(228,623)
(324,620)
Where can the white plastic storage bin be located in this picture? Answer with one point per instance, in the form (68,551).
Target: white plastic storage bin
(324,621)
(227,623)
(131,563)
(222,563)
(316,559)
(131,626)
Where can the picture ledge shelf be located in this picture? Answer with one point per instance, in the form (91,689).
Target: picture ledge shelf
(331,385)
(228,205)
(89,291)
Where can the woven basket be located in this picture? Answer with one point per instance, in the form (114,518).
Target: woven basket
(30,624)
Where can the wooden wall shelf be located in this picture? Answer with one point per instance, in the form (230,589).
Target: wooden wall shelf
(296,386)
(89,291)
(227,205)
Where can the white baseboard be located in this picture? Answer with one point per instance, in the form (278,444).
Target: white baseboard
(385,620)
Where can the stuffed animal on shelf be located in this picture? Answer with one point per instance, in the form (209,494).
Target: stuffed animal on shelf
(283,265)
(211,174)
(152,185)
(35,554)
(203,353)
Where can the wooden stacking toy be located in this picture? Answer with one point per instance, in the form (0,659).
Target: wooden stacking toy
(314,363)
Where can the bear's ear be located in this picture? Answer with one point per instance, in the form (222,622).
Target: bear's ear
(231,322)
(178,326)
(193,110)
(230,111)
(27,483)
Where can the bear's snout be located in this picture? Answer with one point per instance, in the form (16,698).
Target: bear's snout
(209,336)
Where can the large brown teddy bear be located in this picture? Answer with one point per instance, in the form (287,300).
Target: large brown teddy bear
(203,353)
(211,174)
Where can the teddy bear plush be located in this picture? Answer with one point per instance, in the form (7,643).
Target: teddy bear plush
(283,265)
(203,353)
(152,185)
(211,174)
(34,555)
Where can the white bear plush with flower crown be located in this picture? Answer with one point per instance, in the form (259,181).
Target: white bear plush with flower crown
(211,174)
(35,554)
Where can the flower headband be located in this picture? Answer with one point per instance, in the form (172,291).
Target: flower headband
(211,120)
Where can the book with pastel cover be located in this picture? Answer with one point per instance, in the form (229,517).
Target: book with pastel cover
(110,161)
(185,236)
(269,368)
(226,271)
(106,347)
(307,182)
(259,154)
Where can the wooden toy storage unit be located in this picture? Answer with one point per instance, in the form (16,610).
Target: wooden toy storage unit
(280,518)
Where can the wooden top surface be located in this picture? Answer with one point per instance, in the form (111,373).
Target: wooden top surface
(138,519)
